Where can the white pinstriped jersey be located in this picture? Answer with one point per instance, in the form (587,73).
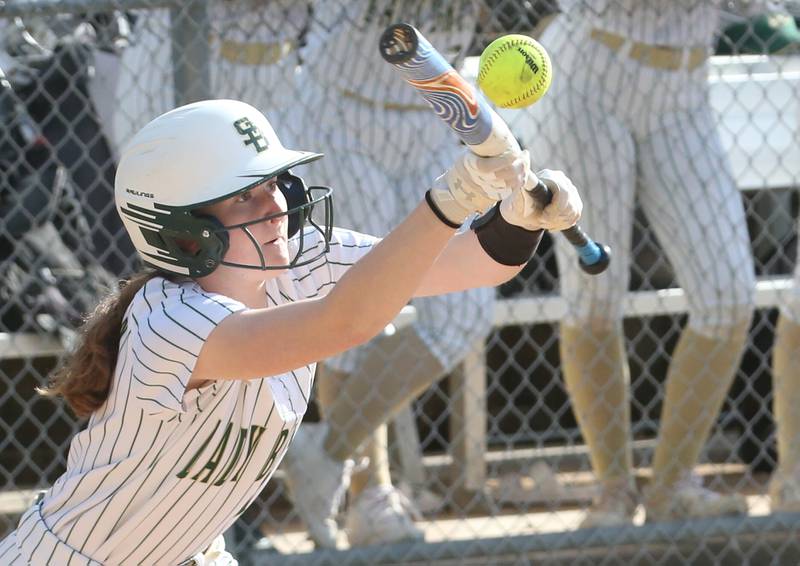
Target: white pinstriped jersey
(640,134)
(342,42)
(253,58)
(677,23)
(160,472)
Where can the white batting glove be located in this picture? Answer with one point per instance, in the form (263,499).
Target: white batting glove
(564,210)
(475,183)
(215,555)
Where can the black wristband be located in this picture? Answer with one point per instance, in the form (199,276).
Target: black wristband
(505,243)
(437,212)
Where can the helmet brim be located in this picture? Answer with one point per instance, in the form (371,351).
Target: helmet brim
(257,173)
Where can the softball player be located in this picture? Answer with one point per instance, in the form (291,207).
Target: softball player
(254,47)
(784,488)
(630,96)
(184,428)
(369,119)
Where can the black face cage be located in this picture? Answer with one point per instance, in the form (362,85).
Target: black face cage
(195,244)
(301,204)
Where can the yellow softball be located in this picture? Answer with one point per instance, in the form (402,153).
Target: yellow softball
(514,71)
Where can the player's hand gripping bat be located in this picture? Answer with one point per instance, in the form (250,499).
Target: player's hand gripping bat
(457,103)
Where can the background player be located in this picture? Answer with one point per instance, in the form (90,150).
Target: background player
(654,142)
(784,489)
(253,43)
(383,131)
(184,428)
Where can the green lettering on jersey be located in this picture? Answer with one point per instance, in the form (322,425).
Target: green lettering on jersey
(185,471)
(216,457)
(234,457)
(246,442)
(279,443)
(255,435)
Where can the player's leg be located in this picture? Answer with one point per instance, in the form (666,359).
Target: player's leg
(397,368)
(785,485)
(373,497)
(376,472)
(698,216)
(393,370)
(592,343)
(378,512)
(580,127)
(363,404)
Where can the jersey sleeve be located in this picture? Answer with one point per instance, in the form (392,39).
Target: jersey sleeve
(318,278)
(167,327)
(347,247)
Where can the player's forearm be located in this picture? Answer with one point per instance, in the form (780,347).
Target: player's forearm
(464,265)
(269,341)
(374,290)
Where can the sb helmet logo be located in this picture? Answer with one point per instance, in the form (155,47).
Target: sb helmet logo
(246,128)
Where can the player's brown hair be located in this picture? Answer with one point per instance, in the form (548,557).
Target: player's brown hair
(84,377)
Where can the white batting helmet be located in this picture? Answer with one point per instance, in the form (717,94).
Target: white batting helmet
(194,156)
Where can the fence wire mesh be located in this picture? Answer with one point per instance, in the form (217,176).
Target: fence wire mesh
(627,417)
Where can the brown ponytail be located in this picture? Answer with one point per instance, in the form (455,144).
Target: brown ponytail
(84,377)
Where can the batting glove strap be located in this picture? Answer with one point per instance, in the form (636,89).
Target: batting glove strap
(475,183)
(505,243)
(446,208)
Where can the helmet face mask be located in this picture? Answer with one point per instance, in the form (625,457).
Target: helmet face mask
(201,154)
(199,241)
(301,223)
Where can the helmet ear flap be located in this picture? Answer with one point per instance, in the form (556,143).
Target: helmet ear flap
(209,227)
(200,245)
(213,241)
(296,194)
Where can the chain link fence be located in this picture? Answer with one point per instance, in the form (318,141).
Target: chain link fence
(630,417)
